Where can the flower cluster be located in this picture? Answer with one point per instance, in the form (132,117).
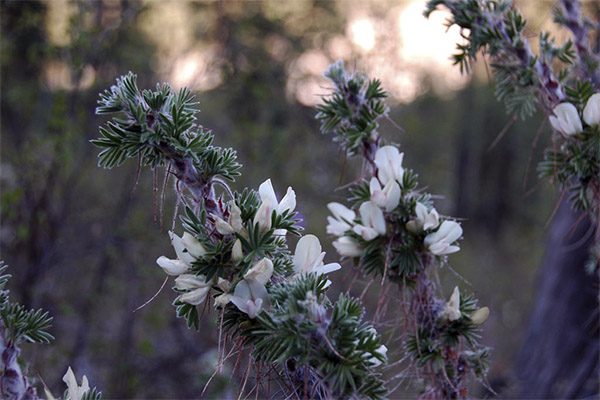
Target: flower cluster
(385,197)
(566,120)
(248,288)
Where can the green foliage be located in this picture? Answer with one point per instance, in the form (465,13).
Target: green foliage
(19,322)
(352,111)
(497,28)
(158,126)
(331,339)
(92,394)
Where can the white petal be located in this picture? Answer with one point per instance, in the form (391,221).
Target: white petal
(348,247)
(307,251)
(263,216)
(236,252)
(242,291)
(222,300)
(196,296)
(179,247)
(327,268)
(69,379)
(450,250)
(223,284)
(567,119)
(391,194)
(591,112)
(366,232)
(267,194)
(480,316)
(372,217)
(288,202)
(261,272)
(172,267)
(337,227)
(193,246)
(341,212)
(432,220)
(374,185)
(190,281)
(235,218)
(223,226)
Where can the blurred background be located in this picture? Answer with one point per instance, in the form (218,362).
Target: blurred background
(82,244)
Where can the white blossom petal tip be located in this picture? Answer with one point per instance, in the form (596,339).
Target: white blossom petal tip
(566,119)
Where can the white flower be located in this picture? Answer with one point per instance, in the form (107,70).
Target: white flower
(373,222)
(348,247)
(234,224)
(591,112)
(197,285)
(480,316)
(223,299)
(425,219)
(187,249)
(452,310)
(261,272)
(342,219)
(439,242)
(389,164)
(381,351)
(270,204)
(236,252)
(75,392)
(193,246)
(309,257)
(566,119)
(389,197)
(172,267)
(250,297)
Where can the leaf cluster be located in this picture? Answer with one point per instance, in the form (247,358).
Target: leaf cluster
(156,126)
(350,114)
(331,339)
(19,322)
(497,28)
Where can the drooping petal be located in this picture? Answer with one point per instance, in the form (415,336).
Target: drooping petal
(327,268)
(172,267)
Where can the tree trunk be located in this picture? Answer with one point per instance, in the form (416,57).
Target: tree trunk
(559,357)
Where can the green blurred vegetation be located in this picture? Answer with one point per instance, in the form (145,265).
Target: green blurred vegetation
(83,244)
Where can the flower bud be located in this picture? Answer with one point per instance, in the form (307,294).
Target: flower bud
(480,316)
(591,112)
(566,119)
(236,252)
(235,218)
